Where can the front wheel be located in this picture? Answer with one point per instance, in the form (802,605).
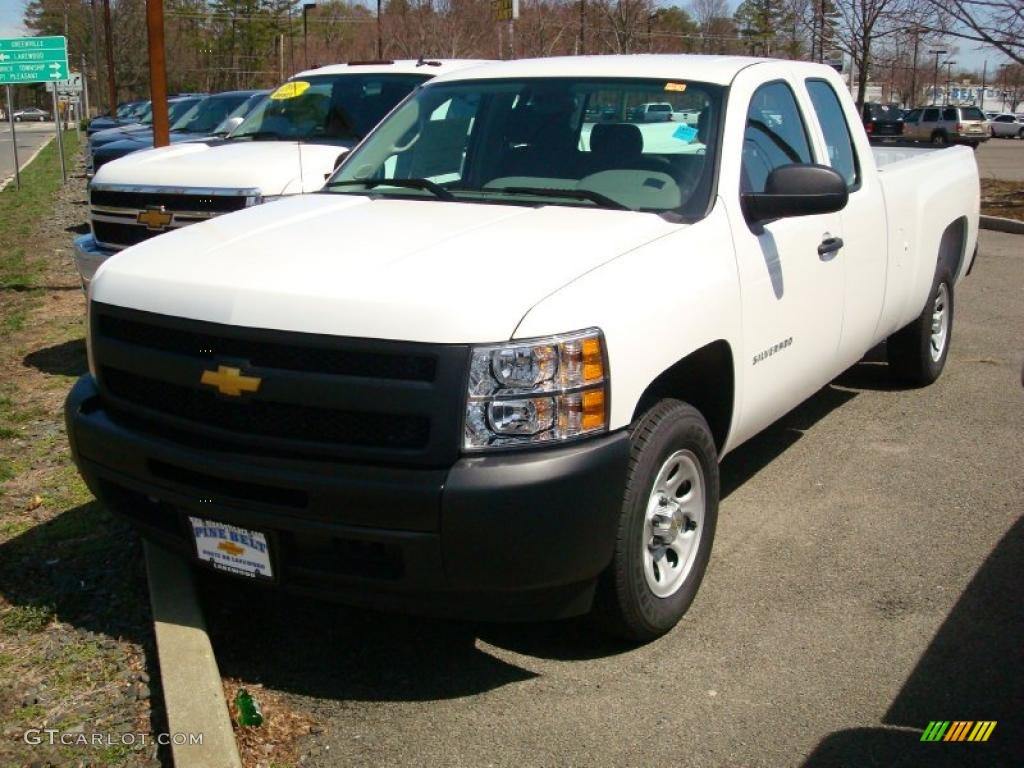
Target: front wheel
(917,354)
(666,526)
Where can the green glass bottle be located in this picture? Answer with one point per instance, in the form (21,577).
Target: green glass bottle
(249,712)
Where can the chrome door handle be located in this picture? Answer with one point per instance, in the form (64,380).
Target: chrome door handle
(829,246)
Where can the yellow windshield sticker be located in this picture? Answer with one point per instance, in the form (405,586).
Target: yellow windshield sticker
(677,87)
(290,90)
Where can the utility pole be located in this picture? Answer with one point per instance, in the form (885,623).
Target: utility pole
(583,27)
(96,54)
(305,33)
(108,39)
(935,78)
(380,38)
(157,72)
(85,88)
(949,78)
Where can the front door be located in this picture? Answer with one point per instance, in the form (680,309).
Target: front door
(792,285)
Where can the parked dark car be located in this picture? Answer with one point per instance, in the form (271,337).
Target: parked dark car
(882,120)
(126,113)
(199,121)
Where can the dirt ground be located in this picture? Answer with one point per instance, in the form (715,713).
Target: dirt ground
(1002,198)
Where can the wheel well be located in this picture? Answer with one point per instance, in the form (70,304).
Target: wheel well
(952,246)
(705,380)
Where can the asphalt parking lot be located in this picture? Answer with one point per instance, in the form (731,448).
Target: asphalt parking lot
(866,580)
(30,137)
(1001,159)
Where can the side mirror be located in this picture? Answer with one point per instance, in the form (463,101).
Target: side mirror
(231,123)
(801,189)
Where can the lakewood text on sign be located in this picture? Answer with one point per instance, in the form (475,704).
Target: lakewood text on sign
(33,60)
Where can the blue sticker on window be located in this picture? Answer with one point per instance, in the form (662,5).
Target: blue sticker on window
(685,133)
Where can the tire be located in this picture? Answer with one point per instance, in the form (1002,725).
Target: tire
(939,139)
(671,434)
(917,354)
(1020,133)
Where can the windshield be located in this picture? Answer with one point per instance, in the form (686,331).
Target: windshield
(545,142)
(333,109)
(240,111)
(205,115)
(175,109)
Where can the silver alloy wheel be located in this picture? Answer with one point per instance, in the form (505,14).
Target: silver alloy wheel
(673,523)
(940,322)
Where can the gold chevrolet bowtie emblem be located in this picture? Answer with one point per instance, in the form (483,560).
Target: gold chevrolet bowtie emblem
(155,218)
(230,381)
(229,547)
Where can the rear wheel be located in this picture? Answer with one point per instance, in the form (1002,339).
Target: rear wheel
(939,139)
(666,525)
(917,354)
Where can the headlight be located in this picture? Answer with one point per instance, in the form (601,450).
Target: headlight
(540,391)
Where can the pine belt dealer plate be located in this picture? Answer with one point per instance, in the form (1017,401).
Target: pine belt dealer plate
(232,549)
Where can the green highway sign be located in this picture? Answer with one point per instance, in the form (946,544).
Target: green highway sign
(33,60)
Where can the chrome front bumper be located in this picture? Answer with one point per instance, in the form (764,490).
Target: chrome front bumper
(89,255)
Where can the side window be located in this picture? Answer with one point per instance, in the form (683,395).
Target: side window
(931,116)
(841,154)
(949,113)
(913,116)
(775,135)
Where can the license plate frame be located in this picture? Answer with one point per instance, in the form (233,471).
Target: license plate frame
(230,548)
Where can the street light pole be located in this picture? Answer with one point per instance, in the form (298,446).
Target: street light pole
(935,78)
(949,78)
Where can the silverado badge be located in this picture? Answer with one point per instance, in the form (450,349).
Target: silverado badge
(230,381)
(155,218)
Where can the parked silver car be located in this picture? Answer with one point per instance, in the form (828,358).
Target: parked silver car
(946,125)
(31,114)
(1006,126)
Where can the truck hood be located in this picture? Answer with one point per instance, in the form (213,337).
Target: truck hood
(389,269)
(273,167)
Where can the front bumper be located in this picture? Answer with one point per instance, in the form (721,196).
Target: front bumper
(512,536)
(89,255)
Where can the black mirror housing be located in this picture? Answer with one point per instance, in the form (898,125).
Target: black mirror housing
(800,189)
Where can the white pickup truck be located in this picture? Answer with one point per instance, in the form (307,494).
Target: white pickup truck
(492,367)
(287,145)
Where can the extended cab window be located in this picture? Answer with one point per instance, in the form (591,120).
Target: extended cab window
(841,154)
(547,141)
(775,135)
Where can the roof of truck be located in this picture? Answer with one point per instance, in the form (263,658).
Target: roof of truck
(433,67)
(708,69)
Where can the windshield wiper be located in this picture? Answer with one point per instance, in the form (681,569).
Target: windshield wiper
(426,184)
(575,194)
(257,135)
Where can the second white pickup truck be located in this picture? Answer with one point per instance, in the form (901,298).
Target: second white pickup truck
(492,368)
(286,145)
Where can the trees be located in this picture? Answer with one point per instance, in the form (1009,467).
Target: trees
(999,23)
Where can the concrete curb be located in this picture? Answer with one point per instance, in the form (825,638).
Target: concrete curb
(10,179)
(191,682)
(999,224)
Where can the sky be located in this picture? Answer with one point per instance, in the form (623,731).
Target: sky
(970,56)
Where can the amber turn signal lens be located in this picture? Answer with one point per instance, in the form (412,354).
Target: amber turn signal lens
(593,361)
(593,409)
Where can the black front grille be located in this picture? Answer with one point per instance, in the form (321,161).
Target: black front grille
(170,200)
(260,418)
(121,234)
(263,354)
(365,400)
